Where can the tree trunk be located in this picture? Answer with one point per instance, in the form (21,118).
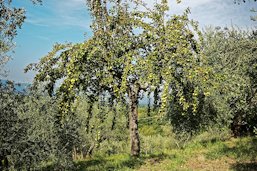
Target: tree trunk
(89,117)
(133,124)
(114,118)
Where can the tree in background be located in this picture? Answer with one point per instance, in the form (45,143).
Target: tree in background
(134,49)
(8,119)
(232,55)
(28,136)
(11,18)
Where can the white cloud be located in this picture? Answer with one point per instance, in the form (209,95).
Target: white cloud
(216,12)
(65,13)
(213,12)
(73,13)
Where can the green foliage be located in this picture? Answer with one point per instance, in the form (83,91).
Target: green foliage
(189,121)
(209,150)
(230,90)
(97,65)
(27,131)
(38,145)
(39,140)
(9,123)
(102,131)
(199,82)
(30,138)
(131,51)
(233,61)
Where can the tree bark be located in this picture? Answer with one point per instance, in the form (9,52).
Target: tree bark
(89,117)
(133,124)
(114,118)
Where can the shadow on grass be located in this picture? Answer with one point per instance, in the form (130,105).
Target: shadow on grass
(244,149)
(205,143)
(246,153)
(242,152)
(244,166)
(82,165)
(118,162)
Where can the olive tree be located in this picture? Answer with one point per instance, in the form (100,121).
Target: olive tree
(231,53)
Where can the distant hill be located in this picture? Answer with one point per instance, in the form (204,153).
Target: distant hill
(19,87)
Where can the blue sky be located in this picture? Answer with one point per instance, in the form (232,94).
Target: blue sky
(68,21)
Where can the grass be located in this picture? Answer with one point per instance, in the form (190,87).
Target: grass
(114,162)
(161,151)
(214,154)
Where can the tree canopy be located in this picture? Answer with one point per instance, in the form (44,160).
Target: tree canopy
(133,50)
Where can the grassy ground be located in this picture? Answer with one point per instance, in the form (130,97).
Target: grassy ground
(160,151)
(204,152)
(231,154)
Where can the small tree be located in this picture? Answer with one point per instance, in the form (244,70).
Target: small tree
(134,49)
